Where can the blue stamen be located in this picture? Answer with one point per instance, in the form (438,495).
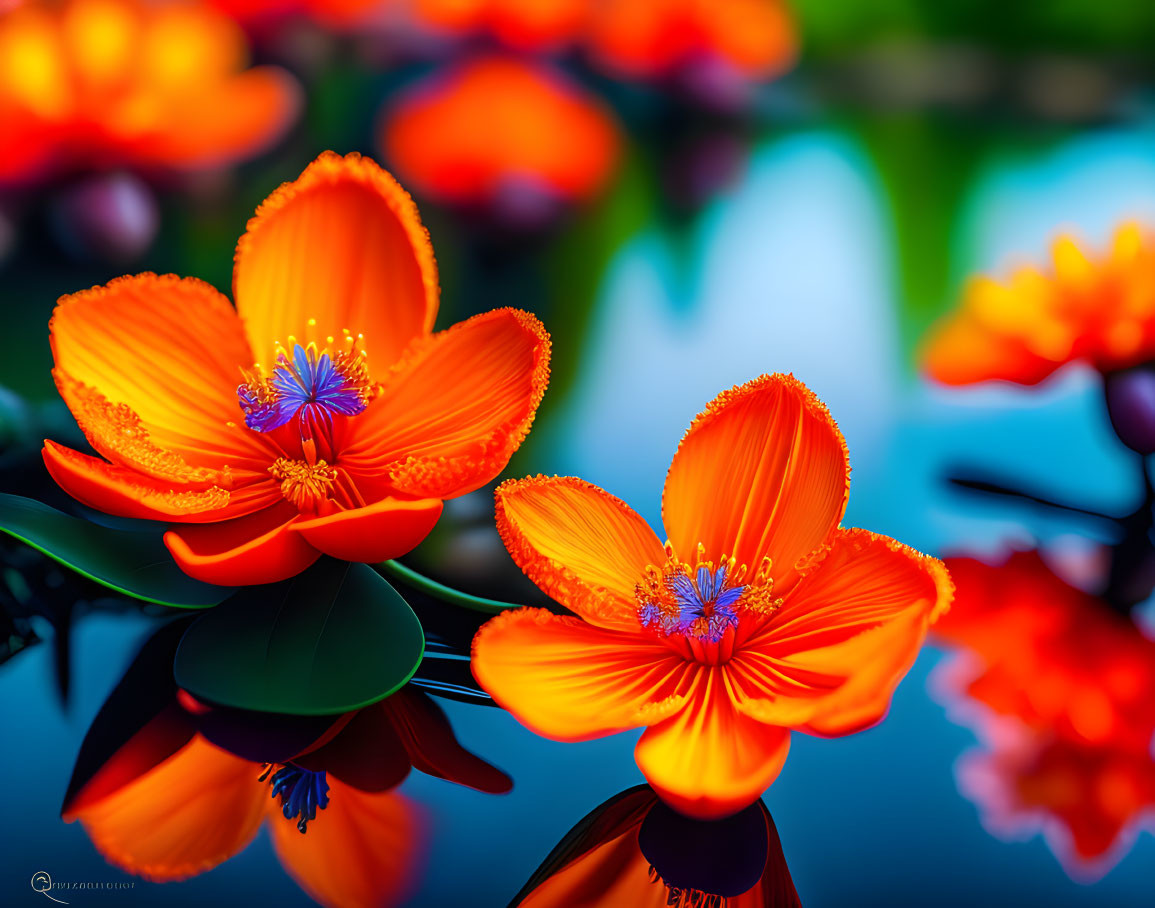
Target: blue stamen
(302,792)
(703,606)
(310,386)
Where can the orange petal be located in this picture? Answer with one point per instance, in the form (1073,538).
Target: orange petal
(386,529)
(343,245)
(126,493)
(570,681)
(763,471)
(149,365)
(585,548)
(456,408)
(258,548)
(846,635)
(709,760)
(195,810)
(364,849)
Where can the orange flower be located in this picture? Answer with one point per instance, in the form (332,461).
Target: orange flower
(623,852)
(106,83)
(346,440)
(1051,656)
(1100,311)
(760,615)
(1088,799)
(646,38)
(494,123)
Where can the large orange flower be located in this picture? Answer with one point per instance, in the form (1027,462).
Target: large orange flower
(104,83)
(1098,310)
(494,124)
(759,615)
(356,426)
(1051,656)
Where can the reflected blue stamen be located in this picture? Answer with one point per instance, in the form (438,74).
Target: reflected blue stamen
(302,792)
(309,385)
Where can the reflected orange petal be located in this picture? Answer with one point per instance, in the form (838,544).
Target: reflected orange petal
(455,409)
(763,471)
(342,245)
(582,546)
(570,681)
(364,850)
(195,810)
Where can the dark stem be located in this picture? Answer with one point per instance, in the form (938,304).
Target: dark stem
(996,488)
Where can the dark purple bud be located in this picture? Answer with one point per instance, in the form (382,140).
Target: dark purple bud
(704,167)
(1131,406)
(713,84)
(525,204)
(110,218)
(722,858)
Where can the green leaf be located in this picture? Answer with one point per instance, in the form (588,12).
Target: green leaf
(133,562)
(333,639)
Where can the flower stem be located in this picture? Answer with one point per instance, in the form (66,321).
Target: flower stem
(440,591)
(995,488)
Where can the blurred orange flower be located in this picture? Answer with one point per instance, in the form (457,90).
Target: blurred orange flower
(1053,657)
(496,124)
(1088,799)
(759,615)
(621,855)
(646,38)
(347,443)
(335,14)
(1098,310)
(106,83)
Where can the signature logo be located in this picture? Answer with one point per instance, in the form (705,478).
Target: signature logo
(42,883)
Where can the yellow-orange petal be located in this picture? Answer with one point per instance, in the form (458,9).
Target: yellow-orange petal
(455,409)
(365,850)
(846,635)
(710,760)
(579,544)
(257,548)
(465,135)
(385,529)
(762,472)
(225,122)
(166,351)
(190,813)
(127,493)
(570,681)
(344,246)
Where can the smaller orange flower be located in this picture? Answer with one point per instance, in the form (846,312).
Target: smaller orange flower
(1088,799)
(759,615)
(496,124)
(1099,310)
(1049,655)
(648,38)
(107,83)
(321,415)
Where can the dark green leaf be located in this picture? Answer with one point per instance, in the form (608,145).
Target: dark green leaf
(333,639)
(132,562)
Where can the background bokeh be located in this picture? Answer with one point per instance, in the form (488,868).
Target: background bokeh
(816,223)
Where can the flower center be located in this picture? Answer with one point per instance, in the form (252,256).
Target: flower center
(304,484)
(302,792)
(704,601)
(308,385)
